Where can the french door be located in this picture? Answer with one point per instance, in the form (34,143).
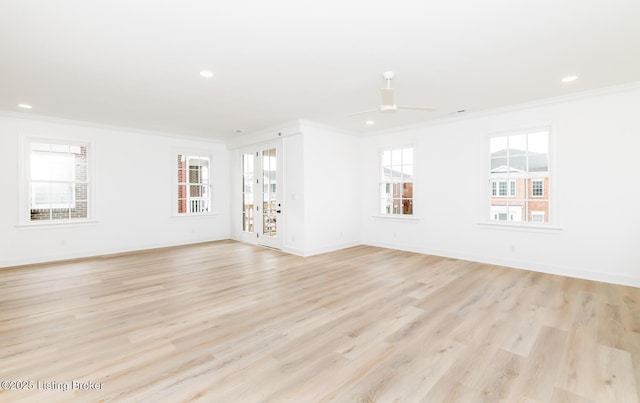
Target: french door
(262,195)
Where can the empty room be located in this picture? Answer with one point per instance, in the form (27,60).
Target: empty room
(336,201)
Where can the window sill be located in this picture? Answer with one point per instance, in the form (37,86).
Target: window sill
(532,227)
(56,224)
(195,215)
(397,217)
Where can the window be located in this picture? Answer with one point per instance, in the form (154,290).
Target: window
(537,216)
(501,187)
(520,160)
(537,188)
(396,187)
(247,192)
(57,180)
(194,188)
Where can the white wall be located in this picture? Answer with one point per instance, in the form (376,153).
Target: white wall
(321,186)
(598,143)
(294,194)
(332,190)
(134,190)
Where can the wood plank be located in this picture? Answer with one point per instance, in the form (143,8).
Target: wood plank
(226,321)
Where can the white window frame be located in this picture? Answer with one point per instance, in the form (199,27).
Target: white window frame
(382,183)
(25,181)
(176,183)
(552,225)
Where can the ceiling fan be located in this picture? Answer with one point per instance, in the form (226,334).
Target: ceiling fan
(387,100)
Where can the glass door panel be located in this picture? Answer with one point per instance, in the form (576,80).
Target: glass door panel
(261,173)
(269,195)
(247,192)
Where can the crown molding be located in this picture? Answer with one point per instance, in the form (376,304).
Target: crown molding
(513,108)
(101,126)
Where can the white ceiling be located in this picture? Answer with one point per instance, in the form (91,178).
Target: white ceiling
(136,63)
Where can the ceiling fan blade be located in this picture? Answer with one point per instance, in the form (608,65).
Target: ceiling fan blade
(387,96)
(362,112)
(418,108)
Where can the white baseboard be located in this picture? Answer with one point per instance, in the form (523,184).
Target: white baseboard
(318,251)
(521,265)
(99,252)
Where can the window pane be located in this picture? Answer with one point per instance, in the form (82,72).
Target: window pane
(499,164)
(521,166)
(61,194)
(60,214)
(518,144)
(517,210)
(247,189)
(386,158)
(387,174)
(396,157)
(60,148)
(497,144)
(517,163)
(396,189)
(385,190)
(407,156)
(407,171)
(538,142)
(195,191)
(182,205)
(81,171)
(182,176)
(59,181)
(407,206)
(397,206)
(193,184)
(80,210)
(537,188)
(81,192)
(40,194)
(407,190)
(385,206)
(50,166)
(538,162)
(194,175)
(502,188)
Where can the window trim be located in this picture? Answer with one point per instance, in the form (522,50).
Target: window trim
(204,153)
(485,193)
(381,182)
(24,181)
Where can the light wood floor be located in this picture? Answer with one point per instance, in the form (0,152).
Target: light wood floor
(231,322)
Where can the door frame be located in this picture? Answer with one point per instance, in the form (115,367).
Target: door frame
(257,236)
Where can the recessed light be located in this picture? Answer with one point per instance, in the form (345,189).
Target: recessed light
(369,122)
(568,79)
(206,73)
(25,106)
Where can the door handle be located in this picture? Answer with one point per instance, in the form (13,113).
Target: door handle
(278,211)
